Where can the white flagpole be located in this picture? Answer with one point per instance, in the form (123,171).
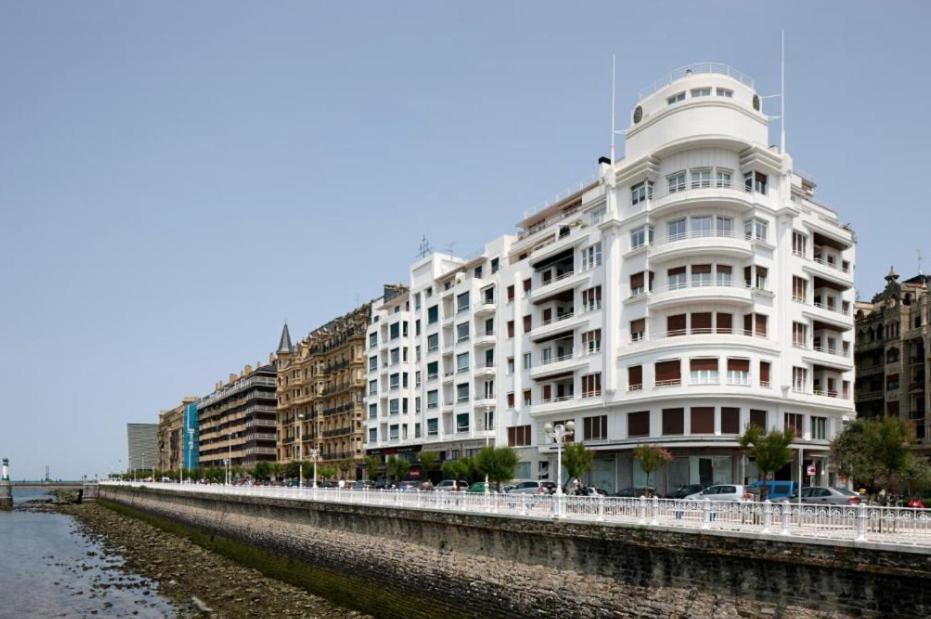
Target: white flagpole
(782,97)
(613,131)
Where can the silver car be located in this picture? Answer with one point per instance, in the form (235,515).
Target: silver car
(720,493)
(822,495)
(533,487)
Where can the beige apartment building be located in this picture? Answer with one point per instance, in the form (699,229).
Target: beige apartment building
(321,385)
(893,354)
(237,420)
(170,436)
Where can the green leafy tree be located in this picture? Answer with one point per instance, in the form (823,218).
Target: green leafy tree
(262,471)
(278,470)
(372,466)
(292,470)
(770,451)
(651,458)
(577,459)
(215,474)
(877,452)
(308,470)
(326,472)
(497,463)
(461,468)
(428,460)
(397,468)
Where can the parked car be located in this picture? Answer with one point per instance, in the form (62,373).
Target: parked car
(533,487)
(822,495)
(362,485)
(636,492)
(916,503)
(477,488)
(776,489)
(683,491)
(451,485)
(720,493)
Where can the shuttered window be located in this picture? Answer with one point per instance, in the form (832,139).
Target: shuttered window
(673,421)
(518,436)
(668,372)
(635,377)
(758,418)
(702,419)
(701,323)
(760,325)
(697,365)
(730,420)
(638,424)
(738,365)
(725,322)
(675,325)
(764,373)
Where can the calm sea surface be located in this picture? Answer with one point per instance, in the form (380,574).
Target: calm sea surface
(47,569)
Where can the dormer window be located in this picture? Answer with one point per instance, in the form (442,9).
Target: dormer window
(724,92)
(679,96)
(755,181)
(701,92)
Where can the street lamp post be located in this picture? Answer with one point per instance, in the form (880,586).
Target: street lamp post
(300,450)
(560,434)
(313,456)
(486,445)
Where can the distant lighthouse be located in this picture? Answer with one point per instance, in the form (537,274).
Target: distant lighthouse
(6,489)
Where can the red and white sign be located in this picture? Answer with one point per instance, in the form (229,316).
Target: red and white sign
(812,470)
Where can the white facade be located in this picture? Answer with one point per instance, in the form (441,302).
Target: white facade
(695,286)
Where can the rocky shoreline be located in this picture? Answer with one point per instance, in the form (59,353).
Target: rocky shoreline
(201,583)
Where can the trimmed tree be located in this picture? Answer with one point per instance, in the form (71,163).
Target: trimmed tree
(498,463)
(428,460)
(460,469)
(770,451)
(651,458)
(262,471)
(372,466)
(397,467)
(577,459)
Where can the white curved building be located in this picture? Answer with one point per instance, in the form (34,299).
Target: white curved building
(694,288)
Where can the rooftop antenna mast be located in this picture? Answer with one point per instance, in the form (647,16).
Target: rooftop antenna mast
(613,94)
(920,259)
(424,250)
(782,95)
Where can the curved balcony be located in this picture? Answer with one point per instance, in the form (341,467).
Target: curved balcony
(666,199)
(483,340)
(485,309)
(720,292)
(558,365)
(560,324)
(567,281)
(697,243)
(697,339)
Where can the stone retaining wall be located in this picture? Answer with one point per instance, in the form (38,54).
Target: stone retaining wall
(480,565)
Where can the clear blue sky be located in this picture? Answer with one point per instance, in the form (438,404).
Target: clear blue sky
(178,178)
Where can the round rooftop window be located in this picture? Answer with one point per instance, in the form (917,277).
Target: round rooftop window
(756,102)
(638,114)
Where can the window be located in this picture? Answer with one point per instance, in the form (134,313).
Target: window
(528,323)
(641,236)
(793,421)
(510,293)
(758,419)
(494,265)
(373,339)
(462,422)
(799,289)
(755,324)
(591,341)
(819,428)
(703,371)
(675,230)
(373,364)
(724,322)
(724,274)
(433,314)
(725,226)
(738,372)
(394,406)
(462,302)
(799,379)
(730,420)
(638,424)
(433,370)
(701,420)
(799,335)
(462,362)
(373,387)
(799,244)
(510,399)
(591,299)
(510,328)
(433,398)
(723,178)
(462,332)
(591,256)
(638,329)
(679,96)
(724,92)
(595,428)
(462,392)
(395,356)
(394,331)
(755,229)
(673,421)
(597,215)
(764,373)
(433,427)
(702,226)
(668,373)
(527,283)
(373,435)
(373,411)
(755,181)
(701,92)
(527,360)
(637,284)
(635,378)
(701,275)
(675,325)
(394,381)
(701,177)
(488,295)
(591,385)
(677,278)
(433,342)
(519,436)
(641,192)
(477,272)
(676,182)
(701,323)
(527,397)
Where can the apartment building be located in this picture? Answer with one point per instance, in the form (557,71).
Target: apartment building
(171,434)
(237,421)
(142,443)
(694,287)
(893,354)
(321,385)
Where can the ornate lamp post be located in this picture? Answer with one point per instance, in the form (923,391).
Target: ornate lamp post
(300,450)
(313,456)
(560,434)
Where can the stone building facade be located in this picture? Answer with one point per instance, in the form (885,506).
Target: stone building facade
(321,383)
(237,420)
(893,354)
(171,436)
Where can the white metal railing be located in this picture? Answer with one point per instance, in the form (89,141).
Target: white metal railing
(894,526)
(697,68)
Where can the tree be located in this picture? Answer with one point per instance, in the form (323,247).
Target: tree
(326,472)
(460,468)
(577,459)
(308,469)
(278,470)
(428,460)
(651,458)
(292,469)
(770,451)
(497,463)
(877,452)
(397,467)
(262,470)
(372,466)
(345,466)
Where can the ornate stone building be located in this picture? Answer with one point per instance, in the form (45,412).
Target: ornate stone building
(893,354)
(321,383)
(171,436)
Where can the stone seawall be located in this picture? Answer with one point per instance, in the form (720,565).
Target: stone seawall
(479,565)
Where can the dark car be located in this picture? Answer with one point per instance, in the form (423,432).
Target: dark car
(636,492)
(684,491)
